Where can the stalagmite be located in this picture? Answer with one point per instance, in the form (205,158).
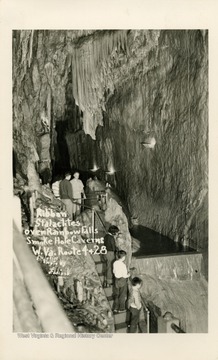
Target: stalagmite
(79,289)
(31,211)
(31,48)
(92,300)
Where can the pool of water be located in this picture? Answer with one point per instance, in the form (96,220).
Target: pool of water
(154,244)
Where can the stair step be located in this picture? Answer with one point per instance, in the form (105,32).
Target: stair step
(101,277)
(99,267)
(96,257)
(121,331)
(108,291)
(98,262)
(120,318)
(120,326)
(111,303)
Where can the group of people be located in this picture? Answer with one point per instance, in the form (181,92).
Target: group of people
(70,192)
(123,287)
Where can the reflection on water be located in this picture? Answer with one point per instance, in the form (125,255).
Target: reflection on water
(151,243)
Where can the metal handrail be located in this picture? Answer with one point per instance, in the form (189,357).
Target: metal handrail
(100,220)
(95,211)
(147,314)
(177,329)
(90,208)
(86,198)
(143,305)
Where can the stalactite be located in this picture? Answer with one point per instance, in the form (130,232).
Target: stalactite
(31,48)
(24,40)
(49,72)
(89,86)
(48,106)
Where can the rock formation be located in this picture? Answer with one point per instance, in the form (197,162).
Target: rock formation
(119,87)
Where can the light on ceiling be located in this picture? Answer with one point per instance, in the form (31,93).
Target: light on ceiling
(149,143)
(95,168)
(111,171)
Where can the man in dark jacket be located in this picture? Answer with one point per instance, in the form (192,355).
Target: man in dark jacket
(109,257)
(66,194)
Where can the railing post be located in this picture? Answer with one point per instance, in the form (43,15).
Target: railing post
(176,328)
(93,223)
(165,323)
(147,314)
(148,320)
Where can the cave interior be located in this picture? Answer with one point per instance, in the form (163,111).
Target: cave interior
(127,106)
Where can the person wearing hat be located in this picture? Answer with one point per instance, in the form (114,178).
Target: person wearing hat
(109,257)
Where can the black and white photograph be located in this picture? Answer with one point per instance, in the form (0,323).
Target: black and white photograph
(108,186)
(110,179)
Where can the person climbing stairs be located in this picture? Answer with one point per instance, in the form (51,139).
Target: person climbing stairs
(120,319)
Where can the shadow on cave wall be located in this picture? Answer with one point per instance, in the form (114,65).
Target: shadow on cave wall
(17,168)
(61,162)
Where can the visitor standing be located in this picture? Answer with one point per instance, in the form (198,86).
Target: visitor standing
(66,194)
(78,191)
(121,275)
(109,257)
(135,304)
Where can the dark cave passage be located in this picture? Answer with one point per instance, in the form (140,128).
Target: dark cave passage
(61,162)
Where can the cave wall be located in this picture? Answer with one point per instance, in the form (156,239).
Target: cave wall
(164,96)
(41,69)
(125,86)
(167,186)
(49,97)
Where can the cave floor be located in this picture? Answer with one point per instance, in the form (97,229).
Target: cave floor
(154,244)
